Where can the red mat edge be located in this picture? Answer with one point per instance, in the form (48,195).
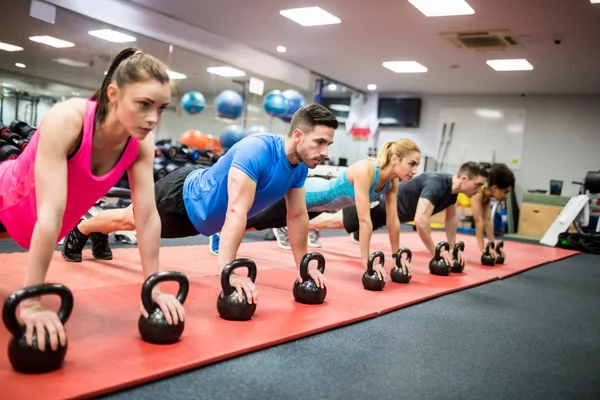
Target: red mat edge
(514,273)
(173,371)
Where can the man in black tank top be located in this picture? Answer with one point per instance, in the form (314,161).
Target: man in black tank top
(423,196)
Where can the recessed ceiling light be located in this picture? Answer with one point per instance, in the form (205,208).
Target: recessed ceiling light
(595,1)
(281,49)
(71,63)
(226,71)
(51,41)
(492,114)
(9,47)
(176,75)
(371,87)
(20,65)
(310,16)
(519,64)
(442,8)
(340,107)
(75,93)
(332,86)
(112,36)
(405,67)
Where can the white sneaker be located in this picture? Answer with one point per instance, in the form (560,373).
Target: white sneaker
(283,240)
(354,237)
(313,238)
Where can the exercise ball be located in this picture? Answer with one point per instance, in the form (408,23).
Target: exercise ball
(214,145)
(230,104)
(275,103)
(254,129)
(194,139)
(231,135)
(295,101)
(193,102)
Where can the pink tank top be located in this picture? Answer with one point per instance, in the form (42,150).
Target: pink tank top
(18,211)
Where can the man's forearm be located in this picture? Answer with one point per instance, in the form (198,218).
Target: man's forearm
(148,238)
(298,235)
(231,237)
(394,234)
(424,231)
(450,228)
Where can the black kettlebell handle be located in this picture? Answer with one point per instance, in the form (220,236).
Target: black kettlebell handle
(458,246)
(372,257)
(308,257)
(230,267)
(490,245)
(500,245)
(398,256)
(439,247)
(9,312)
(164,276)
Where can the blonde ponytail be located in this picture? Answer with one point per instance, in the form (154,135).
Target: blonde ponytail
(400,148)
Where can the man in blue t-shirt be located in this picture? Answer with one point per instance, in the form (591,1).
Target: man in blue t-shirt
(254,173)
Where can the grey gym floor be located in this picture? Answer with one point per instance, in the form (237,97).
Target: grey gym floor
(535,335)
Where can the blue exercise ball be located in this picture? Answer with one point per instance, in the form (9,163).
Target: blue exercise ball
(295,101)
(275,103)
(231,135)
(193,102)
(230,104)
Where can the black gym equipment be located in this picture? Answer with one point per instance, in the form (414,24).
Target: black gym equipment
(370,278)
(500,250)
(437,265)
(398,273)
(308,292)
(29,359)
(486,258)
(229,306)
(155,328)
(458,267)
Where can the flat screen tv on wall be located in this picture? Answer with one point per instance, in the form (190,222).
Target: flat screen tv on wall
(399,112)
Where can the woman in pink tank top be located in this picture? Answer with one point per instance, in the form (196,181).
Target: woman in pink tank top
(80,151)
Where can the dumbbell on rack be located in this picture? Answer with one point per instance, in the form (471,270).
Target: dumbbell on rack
(8,150)
(23,129)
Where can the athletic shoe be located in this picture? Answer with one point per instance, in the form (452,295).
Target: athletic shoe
(213,243)
(73,245)
(100,248)
(283,240)
(354,237)
(313,238)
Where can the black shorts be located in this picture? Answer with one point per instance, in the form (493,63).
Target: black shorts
(274,216)
(168,193)
(350,217)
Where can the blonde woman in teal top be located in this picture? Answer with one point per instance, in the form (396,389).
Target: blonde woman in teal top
(360,184)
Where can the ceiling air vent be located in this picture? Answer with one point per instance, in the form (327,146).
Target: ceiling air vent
(484,40)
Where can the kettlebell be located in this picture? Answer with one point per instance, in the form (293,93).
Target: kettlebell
(370,279)
(486,258)
(458,267)
(437,265)
(398,274)
(228,305)
(499,249)
(308,292)
(155,328)
(29,359)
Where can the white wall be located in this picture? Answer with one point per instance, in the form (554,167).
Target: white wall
(24,112)
(561,138)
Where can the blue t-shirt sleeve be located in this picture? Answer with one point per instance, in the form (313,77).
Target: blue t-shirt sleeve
(253,158)
(300,177)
